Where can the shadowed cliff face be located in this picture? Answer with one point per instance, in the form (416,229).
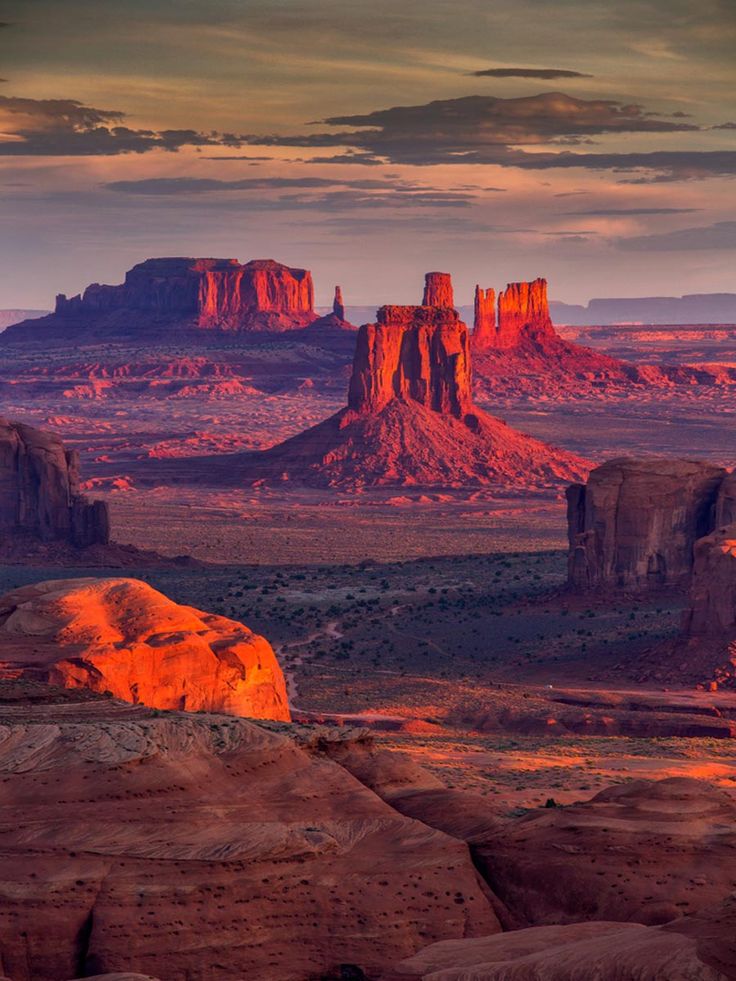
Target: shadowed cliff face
(635,523)
(39,490)
(416,354)
(216,293)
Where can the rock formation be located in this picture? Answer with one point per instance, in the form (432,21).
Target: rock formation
(39,490)
(438,290)
(644,851)
(700,948)
(122,636)
(414,354)
(523,314)
(182,845)
(635,523)
(182,293)
(410,421)
(484,320)
(338,306)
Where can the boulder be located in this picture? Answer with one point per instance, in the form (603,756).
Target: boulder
(124,637)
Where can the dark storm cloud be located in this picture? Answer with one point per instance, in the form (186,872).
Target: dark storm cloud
(624,212)
(543,73)
(66,127)
(721,235)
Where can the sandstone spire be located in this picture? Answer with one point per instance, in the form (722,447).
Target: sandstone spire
(438,290)
(484,324)
(338,306)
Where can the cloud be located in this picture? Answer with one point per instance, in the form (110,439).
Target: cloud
(624,212)
(721,235)
(205,185)
(543,73)
(66,127)
(491,130)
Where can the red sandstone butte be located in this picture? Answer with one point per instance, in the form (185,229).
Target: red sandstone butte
(484,322)
(124,637)
(410,421)
(415,354)
(523,313)
(214,294)
(438,290)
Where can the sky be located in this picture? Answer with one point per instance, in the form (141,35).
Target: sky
(588,141)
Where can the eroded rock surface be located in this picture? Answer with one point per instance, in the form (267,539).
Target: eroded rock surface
(634,523)
(124,637)
(39,490)
(180,846)
(438,291)
(484,321)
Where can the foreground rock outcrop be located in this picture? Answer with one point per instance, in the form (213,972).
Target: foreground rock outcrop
(646,852)
(39,490)
(184,293)
(634,523)
(124,637)
(410,421)
(702,948)
(178,846)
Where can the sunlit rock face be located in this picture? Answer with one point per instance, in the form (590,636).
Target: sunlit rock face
(634,523)
(415,354)
(523,314)
(484,322)
(438,290)
(39,490)
(212,293)
(124,637)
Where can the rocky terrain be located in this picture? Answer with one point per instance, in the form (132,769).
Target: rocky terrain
(122,637)
(173,844)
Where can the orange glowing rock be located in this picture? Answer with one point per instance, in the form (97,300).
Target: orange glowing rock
(124,637)
(523,313)
(484,324)
(438,290)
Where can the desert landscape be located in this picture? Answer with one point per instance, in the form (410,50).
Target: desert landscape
(368,600)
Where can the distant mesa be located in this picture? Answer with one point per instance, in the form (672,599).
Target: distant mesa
(124,637)
(410,418)
(634,524)
(693,308)
(198,294)
(39,491)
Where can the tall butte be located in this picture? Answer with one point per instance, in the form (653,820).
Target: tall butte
(484,321)
(410,418)
(438,290)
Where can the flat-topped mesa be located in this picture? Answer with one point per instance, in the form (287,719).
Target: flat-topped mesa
(635,523)
(215,293)
(414,354)
(523,314)
(39,490)
(338,306)
(438,290)
(484,322)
